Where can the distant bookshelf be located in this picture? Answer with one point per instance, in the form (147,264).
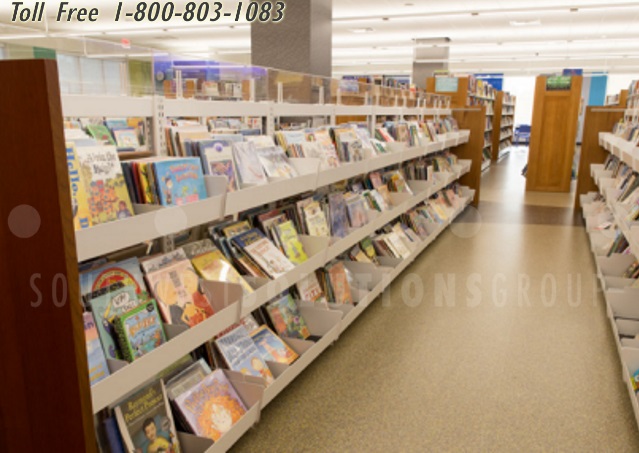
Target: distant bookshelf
(503,124)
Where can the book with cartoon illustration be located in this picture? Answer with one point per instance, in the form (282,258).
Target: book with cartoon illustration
(241,354)
(215,267)
(146,423)
(98,368)
(273,348)
(139,330)
(105,309)
(270,259)
(126,139)
(249,168)
(179,181)
(217,157)
(107,196)
(275,162)
(339,283)
(291,243)
(127,272)
(187,378)
(211,407)
(79,199)
(101,133)
(177,291)
(286,318)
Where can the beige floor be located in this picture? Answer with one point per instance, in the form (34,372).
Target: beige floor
(519,358)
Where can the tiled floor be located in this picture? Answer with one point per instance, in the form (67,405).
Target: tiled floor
(501,345)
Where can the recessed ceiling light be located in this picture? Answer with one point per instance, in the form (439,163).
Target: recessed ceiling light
(525,23)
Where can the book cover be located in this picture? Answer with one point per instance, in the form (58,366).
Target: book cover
(197,248)
(309,289)
(146,422)
(291,242)
(105,309)
(104,184)
(177,291)
(241,354)
(356,208)
(214,266)
(98,368)
(236,228)
(179,181)
(127,272)
(211,407)
(339,283)
(139,331)
(187,379)
(158,262)
(287,319)
(217,156)
(101,133)
(126,138)
(79,199)
(273,348)
(326,153)
(276,163)
(261,141)
(264,253)
(316,220)
(248,165)
(338,214)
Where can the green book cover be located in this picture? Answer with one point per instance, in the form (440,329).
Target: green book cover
(140,330)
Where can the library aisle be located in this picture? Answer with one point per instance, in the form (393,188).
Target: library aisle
(508,349)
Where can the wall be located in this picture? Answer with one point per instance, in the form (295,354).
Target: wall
(618,82)
(524,88)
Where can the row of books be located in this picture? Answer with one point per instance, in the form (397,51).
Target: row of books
(627,130)
(127,134)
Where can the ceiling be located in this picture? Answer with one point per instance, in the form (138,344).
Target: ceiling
(378,36)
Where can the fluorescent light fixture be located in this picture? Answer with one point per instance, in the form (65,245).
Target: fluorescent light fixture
(29,36)
(525,23)
(362,30)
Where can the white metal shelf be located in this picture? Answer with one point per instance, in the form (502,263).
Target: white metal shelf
(202,108)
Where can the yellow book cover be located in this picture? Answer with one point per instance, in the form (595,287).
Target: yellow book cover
(107,194)
(79,201)
(236,228)
(143,169)
(293,248)
(213,266)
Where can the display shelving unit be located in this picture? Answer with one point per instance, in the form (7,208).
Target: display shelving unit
(503,124)
(36,200)
(468,92)
(619,294)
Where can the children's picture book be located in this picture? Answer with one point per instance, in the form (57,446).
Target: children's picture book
(197,248)
(126,139)
(158,262)
(101,133)
(273,348)
(79,199)
(98,368)
(261,141)
(104,184)
(217,157)
(286,318)
(356,207)
(316,220)
(127,272)
(309,289)
(291,243)
(105,309)
(248,165)
(187,379)
(177,291)
(324,152)
(146,423)
(276,163)
(214,266)
(339,283)
(241,354)
(211,407)
(179,181)
(139,330)
(338,214)
(270,259)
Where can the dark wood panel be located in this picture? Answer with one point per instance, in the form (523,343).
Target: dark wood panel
(473,119)
(44,386)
